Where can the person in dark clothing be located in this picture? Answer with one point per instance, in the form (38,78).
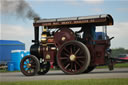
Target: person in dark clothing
(88,33)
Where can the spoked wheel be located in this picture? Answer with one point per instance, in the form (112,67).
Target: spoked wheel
(44,68)
(89,69)
(29,65)
(73,57)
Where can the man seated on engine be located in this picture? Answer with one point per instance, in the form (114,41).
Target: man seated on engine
(88,33)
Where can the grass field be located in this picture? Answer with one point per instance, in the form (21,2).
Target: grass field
(71,82)
(5,70)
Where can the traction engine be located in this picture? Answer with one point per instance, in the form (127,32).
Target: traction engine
(72,51)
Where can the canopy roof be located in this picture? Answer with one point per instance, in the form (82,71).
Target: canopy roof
(97,20)
(10,42)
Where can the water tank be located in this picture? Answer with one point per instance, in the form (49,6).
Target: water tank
(16,56)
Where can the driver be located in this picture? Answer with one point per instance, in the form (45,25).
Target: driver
(88,32)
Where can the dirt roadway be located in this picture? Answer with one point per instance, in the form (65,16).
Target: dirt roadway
(59,75)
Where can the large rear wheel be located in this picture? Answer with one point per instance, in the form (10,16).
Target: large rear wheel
(29,65)
(73,57)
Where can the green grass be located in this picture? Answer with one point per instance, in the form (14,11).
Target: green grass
(119,65)
(6,70)
(71,82)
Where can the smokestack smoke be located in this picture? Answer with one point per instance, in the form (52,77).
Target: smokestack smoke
(19,8)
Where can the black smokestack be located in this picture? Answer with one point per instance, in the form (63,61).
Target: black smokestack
(19,8)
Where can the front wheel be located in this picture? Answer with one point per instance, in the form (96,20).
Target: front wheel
(29,65)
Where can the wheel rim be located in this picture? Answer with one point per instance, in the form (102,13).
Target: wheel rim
(28,66)
(72,58)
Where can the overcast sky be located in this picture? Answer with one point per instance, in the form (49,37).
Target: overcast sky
(16,28)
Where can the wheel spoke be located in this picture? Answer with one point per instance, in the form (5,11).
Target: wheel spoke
(80,57)
(67,54)
(75,67)
(71,65)
(67,65)
(28,69)
(77,51)
(66,50)
(71,49)
(25,62)
(77,63)
(31,61)
(25,67)
(32,70)
(81,61)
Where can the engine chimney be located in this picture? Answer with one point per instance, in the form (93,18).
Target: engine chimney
(36,31)
(36,19)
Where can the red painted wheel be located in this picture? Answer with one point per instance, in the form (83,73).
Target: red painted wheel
(63,35)
(73,57)
(30,65)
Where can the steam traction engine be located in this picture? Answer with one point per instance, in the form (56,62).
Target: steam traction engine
(69,50)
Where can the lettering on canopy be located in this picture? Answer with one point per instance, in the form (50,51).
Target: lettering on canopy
(73,22)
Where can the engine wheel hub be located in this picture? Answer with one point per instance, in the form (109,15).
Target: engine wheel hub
(29,65)
(72,57)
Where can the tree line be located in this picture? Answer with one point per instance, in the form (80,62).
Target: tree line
(117,51)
